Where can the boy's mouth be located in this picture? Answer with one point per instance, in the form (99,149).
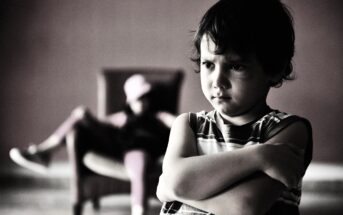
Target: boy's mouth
(220,98)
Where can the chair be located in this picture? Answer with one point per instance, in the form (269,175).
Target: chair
(95,175)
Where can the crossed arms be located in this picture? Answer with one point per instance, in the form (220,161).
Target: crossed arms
(250,179)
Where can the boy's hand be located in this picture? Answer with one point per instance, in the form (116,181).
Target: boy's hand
(283,162)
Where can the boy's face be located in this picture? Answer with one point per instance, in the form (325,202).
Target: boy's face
(234,86)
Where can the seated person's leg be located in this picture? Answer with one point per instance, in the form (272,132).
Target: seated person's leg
(37,156)
(137,163)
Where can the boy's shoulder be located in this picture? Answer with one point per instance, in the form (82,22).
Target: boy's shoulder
(275,121)
(275,116)
(202,116)
(209,115)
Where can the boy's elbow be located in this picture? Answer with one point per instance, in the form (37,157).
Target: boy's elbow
(164,193)
(171,189)
(178,188)
(160,194)
(183,189)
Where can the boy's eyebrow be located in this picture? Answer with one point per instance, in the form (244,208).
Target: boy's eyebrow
(233,57)
(237,58)
(207,57)
(229,59)
(238,61)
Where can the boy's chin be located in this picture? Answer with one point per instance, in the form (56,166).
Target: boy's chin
(230,111)
(227,112)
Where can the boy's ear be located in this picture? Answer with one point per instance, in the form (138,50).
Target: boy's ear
(275,79)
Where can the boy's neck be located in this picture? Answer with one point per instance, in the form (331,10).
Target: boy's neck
(249,116)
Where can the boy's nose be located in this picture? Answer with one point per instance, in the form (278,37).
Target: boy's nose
(220,80)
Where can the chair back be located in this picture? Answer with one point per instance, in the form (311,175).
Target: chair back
(111,96)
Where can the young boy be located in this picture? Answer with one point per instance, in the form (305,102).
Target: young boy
(242,157)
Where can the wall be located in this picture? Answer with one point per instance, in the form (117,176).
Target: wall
(317,92)
(52,50)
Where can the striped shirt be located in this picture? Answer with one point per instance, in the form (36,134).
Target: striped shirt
(213,136)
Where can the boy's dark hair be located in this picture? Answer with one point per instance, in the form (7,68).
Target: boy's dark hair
(264,28)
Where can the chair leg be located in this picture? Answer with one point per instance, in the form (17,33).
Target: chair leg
(77,208)
(96,203)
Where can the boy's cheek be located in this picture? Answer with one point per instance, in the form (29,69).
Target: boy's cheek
(205,90)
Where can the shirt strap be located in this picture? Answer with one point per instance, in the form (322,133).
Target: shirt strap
(193,121)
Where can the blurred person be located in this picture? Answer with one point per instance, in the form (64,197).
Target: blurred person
(137,135)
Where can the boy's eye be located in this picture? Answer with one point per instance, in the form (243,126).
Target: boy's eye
(238,67)
(207,64)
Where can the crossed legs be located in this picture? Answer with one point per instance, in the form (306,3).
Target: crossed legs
(37,156)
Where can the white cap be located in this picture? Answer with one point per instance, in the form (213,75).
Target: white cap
(135,87)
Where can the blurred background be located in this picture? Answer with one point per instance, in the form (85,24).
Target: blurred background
(51,51)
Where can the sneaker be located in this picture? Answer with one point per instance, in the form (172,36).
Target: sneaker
(36,162)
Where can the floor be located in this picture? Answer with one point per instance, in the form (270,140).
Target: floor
(51,202)
(23,192)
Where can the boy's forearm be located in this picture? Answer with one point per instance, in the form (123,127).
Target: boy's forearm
(187,176)
(254,195)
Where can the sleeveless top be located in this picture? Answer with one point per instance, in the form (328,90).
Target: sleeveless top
(213,136)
